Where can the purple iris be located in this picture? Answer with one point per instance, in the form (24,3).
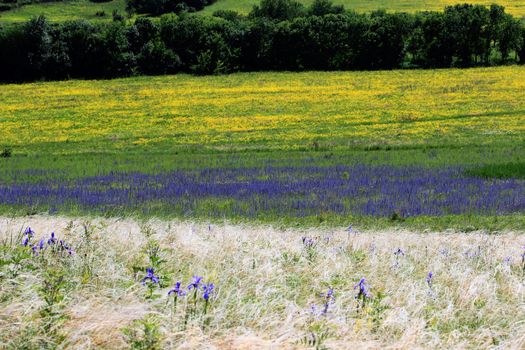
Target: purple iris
(207,290)
(25,240)
(196,283)
(28,234)
(52,239)
(329,299)
(429,279)
(177,290)
(362,288)
(150,276)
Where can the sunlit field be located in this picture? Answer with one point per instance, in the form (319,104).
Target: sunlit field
(514,7)
(121,284)
(84,9)
(406,148)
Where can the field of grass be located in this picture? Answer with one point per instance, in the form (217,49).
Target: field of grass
(515,7)
(84,9)
(287,147)
(64,11)
(270,287)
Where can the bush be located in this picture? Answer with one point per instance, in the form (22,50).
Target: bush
(6,153)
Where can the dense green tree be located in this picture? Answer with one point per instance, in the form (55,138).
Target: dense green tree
(281,10)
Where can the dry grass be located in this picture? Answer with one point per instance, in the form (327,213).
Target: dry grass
(266,284)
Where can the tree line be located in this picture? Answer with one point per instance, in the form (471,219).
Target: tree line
(277,35)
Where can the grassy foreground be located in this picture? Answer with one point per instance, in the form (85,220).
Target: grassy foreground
(84,9)
(269,287)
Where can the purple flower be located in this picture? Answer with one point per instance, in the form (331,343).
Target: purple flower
(52,239)
(362,288)
(429,279)
(28,234)
(399,252)
(308,242)
(196,283)
(177,290)
(25,240)
(150,276)
(207,290)
(41,244)
(329,299)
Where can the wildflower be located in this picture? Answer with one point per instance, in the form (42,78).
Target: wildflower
(362,290)
(429,279)
(207,290)
(150,275)
(329,299)
(196,283)
(52,240)
(399,252)
(41,244)
(177,290)
(308,242)
(25,240)
(29,232)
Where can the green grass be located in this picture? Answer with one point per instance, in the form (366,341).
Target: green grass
(244,6)
(64,11)
(84,9)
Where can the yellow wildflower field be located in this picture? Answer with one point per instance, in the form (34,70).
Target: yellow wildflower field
(269,110)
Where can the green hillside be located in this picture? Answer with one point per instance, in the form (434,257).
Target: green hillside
(77,9)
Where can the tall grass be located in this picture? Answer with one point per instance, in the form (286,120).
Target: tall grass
(270,287)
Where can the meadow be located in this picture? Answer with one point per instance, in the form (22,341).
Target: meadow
(127,284)
(437,149)
(85,9)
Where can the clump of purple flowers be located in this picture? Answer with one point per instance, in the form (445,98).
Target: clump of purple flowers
(55,244)
(201,292)
(28,234)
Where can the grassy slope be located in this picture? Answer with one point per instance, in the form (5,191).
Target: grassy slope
(429,118)
(75,9)
(64,11)
(514,7)
(266,283)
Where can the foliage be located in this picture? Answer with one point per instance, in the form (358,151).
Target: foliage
(277,35)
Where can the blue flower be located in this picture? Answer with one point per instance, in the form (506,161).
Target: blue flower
(150,276)
(41,244)
(362,287)
(329,299)
(25,240)
(52,240)
(179,292)
(196,283)
(29,232)
(429,279)
(207,289)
